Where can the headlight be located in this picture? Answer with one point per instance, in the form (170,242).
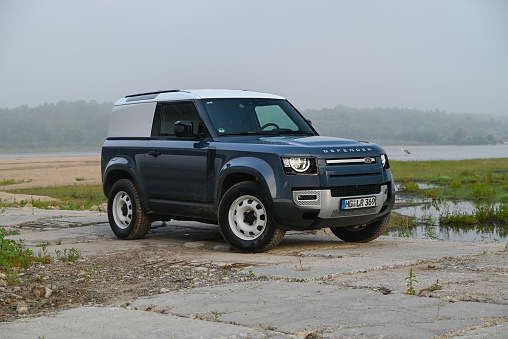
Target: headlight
(299,165)
(384,161)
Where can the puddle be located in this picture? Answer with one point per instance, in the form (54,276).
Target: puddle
(427,214)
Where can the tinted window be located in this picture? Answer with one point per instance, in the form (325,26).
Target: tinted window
(170,113)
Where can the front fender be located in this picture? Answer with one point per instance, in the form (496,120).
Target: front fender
(256,167)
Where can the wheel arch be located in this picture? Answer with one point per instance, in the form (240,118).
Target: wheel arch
(118,168)
(113,176)
(246,169)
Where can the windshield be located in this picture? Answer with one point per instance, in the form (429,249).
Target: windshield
(255,116)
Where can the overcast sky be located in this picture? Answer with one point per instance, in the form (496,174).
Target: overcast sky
(447,55)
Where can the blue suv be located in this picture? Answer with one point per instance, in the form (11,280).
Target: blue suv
(247,161)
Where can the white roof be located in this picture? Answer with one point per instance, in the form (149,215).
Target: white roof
(199,94)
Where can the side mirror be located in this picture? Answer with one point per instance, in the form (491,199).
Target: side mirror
(183,129)
(309,121)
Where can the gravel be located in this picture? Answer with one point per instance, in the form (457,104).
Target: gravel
(116,278)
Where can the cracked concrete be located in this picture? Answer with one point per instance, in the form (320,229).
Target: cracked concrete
(319,285)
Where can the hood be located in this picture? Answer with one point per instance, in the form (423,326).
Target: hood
(327,147)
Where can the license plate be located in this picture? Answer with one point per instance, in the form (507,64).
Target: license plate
(349,204)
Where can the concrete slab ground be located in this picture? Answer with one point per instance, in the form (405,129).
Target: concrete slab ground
(331,311)
(100,322)
(314,286)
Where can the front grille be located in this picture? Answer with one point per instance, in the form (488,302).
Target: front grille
(346,191)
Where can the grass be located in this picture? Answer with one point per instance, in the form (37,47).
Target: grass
(482,214)
(69,197)
(43,256)
(440,170)
(402,223)
(478,179)
(14,255)
(68,255)
(7,182)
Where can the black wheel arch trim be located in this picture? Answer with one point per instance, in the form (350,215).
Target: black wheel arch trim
(125,165)
(238,170)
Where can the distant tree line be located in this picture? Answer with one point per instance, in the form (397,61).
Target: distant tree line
(82,126)
(409,126)
(64,126)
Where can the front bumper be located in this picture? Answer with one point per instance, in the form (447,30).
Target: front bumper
(317,208)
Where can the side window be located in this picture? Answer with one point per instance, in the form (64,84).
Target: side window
(275,115)
(170,113)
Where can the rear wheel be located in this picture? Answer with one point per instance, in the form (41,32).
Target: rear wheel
(362,233)
(245,219)
(126,216)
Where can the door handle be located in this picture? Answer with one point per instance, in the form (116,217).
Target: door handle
(154,153)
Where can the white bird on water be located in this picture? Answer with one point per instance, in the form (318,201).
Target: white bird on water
(405,150)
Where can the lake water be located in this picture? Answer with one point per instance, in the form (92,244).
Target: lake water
(487,233)
(394,153)
(446,152)
(427,213)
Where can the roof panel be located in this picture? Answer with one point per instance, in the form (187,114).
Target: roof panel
(196,94)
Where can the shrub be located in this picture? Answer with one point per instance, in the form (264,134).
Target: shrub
(12,252)
(455,184)
(410,187)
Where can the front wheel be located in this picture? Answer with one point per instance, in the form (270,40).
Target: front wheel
(126,216)
(362,233)
(245,219)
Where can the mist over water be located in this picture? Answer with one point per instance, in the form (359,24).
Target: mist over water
(448,152)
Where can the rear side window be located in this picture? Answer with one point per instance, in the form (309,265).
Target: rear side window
(169,113)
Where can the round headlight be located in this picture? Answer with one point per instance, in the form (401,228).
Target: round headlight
(299,164)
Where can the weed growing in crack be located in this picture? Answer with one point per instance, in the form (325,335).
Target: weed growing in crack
(410,282)
(300,266)
(216,315)
(69,255)
(436,286)
(43,256)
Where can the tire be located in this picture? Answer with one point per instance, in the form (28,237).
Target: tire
(245,219)
(126,216)
(362,233)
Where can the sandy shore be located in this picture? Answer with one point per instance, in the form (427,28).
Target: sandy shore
(44,172)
